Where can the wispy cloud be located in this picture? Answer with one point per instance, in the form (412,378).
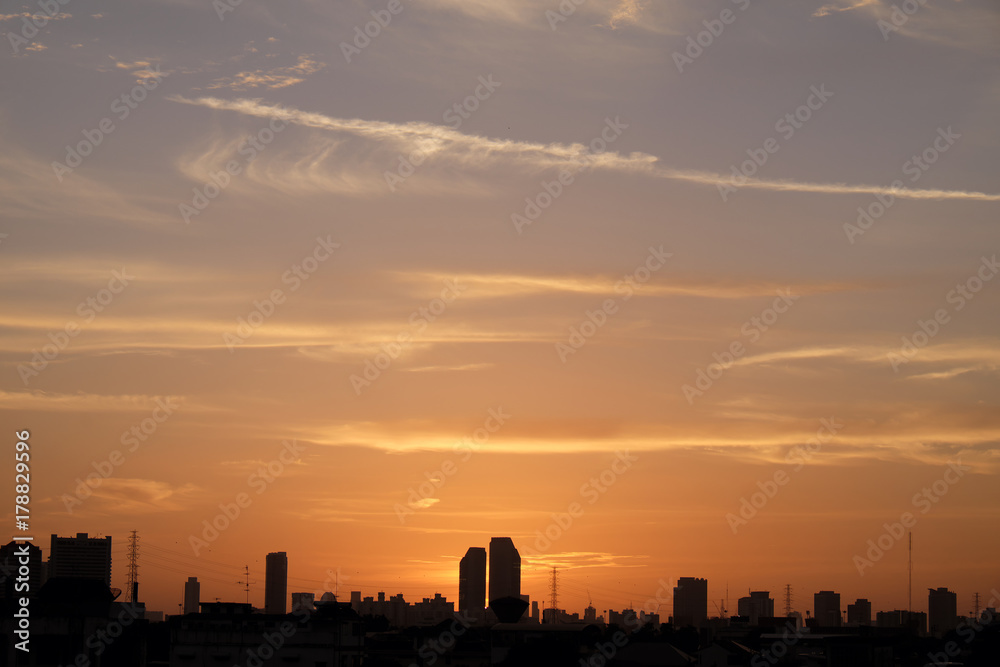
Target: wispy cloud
(970,25)
(441,369)
(29,15)
(139,497)
(625,13)
(484,285)
(276,77)
(833,8)
(79,402)
(438,142)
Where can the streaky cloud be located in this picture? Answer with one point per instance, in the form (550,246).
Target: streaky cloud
(437,141)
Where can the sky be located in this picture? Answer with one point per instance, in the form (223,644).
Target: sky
(656,288)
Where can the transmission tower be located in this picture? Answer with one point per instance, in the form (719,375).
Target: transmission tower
(132,585)
(788,599)
(554,594)
(976,599)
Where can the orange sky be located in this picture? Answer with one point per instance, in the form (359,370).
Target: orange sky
(652,303)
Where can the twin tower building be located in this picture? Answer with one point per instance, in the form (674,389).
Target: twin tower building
(505,574)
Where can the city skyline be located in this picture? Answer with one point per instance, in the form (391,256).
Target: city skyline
(702,595)
(699,288)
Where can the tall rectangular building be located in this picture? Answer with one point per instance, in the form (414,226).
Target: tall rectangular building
(505,569)
(859,613)
(192,596)
(942,611)
(276,583)
(690,602)
(826,609)
(758,605)
(472,580)
(80,556)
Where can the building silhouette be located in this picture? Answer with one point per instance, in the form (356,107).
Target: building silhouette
(757,606)
(192,595)
(228,633)
(472,580)
(505,569)
(912,621)
(690,602)
(942,611)
(826,609)
(80,556)
(304,601)
(276,583)
(859,613)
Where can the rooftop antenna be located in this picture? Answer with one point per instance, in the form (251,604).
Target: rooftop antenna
(246,581)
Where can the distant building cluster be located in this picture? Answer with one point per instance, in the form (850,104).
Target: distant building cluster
(77,619)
